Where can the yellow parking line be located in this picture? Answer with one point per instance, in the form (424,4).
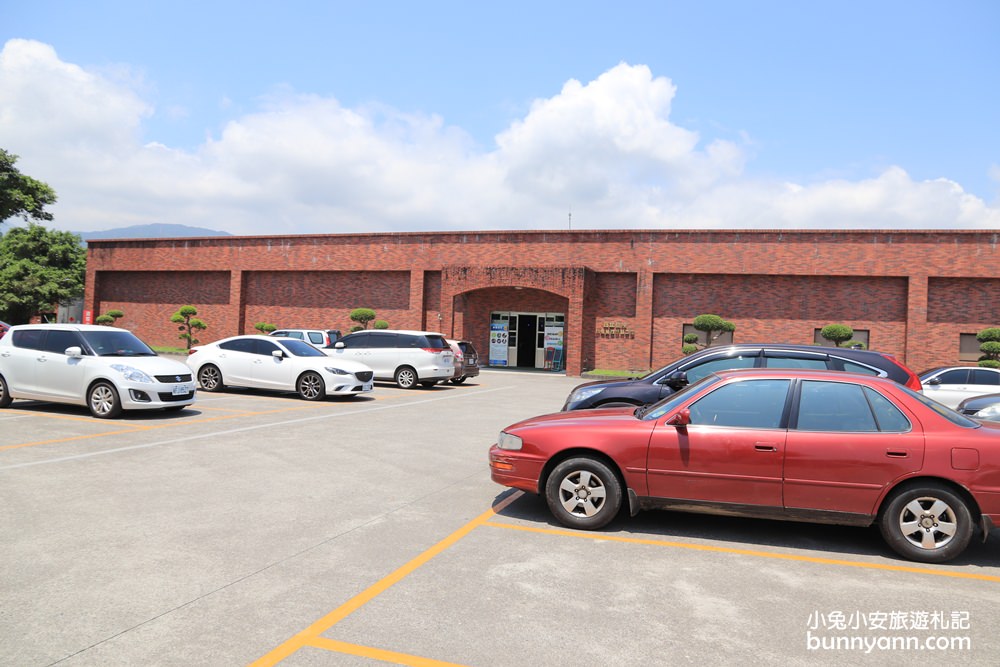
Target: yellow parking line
(744,552)
(311,635)
(377,653)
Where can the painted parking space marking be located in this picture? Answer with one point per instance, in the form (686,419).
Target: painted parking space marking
(214,434)
(743,552)
(311,635)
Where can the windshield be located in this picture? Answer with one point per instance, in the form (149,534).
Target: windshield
(301,349)
(657,410)
(113,343)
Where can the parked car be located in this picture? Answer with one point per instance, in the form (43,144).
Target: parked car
(317,337)
(952,384)
(107,369)
(279,364)
(405,357)
(817,446)
(665,381)
(466,360)
(986,407)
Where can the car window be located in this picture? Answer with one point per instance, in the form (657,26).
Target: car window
(747,404)
(834,406)
(409,340)
(982,376)
(852,367)
(355,340)
(239,345)
(383,340)
(315,337)
(29,339)
(293,334)
(814,363)
(434,342)
(954,376)
(467,348)
(266,347)
(58,340)
(299,348)
(887,415)
(698,371)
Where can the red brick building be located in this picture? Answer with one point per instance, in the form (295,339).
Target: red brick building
(614,299)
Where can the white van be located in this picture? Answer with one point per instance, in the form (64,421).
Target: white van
(405,357)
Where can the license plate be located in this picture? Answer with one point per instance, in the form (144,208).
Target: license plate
(180,389)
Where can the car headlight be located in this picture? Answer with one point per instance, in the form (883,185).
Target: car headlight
(132,374)
(584,393)
(990,412)
(508,441)
(336,371)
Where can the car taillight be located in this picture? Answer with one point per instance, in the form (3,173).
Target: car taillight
(432,350)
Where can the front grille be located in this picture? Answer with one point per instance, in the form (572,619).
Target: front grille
(171,379)
(364,376)
(167,397)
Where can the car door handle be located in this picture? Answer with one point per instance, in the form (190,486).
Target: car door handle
(766,446)
(895,454)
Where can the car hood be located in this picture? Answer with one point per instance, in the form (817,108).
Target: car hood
(151,365)
(583,418)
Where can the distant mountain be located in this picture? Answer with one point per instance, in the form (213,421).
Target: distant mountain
(154,231)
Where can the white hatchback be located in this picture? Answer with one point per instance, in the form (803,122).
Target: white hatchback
(280,364)
(104,368)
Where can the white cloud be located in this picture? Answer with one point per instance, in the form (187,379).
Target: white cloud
(607,150)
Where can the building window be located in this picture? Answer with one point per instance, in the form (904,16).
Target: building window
(725,338)
(860,336)
(968,348)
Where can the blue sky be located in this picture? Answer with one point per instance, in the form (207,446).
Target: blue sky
(316,117)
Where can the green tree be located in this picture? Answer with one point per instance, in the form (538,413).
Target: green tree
(265,327)
(185,317)
(380,324)
(39,268)
(837,333)
(712,324)
(109,318)
(362,316)
(21,195)
(990,339)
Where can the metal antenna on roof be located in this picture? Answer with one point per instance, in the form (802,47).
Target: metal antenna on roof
(571,218)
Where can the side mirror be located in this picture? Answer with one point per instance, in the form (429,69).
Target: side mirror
(682,418)
(935,382)
(676,380)
(74,352)
(278,354)
(339,345)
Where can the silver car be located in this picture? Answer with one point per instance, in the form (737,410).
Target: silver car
(104,368)
(405,357)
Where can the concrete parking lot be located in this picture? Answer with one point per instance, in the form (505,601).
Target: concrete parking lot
(256,528)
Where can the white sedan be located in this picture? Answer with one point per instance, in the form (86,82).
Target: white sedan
(280,364)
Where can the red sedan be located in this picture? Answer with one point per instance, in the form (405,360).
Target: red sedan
(824,447)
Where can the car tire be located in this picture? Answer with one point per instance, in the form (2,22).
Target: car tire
(406,377)
(458,380)
(928,523)
(210,378)
(103,401)
(583,493)
(5,397)
(310,386)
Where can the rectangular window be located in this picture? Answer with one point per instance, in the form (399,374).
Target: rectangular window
(968,347)
(860,336)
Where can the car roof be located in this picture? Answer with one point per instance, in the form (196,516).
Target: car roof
(399,331)
(803,373)
(72,326)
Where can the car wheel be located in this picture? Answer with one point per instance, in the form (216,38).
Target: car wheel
(928,523)
(210,378)
(583,493)
(406,377)
(103,401)
(458,380)
(5,397)
(311,386)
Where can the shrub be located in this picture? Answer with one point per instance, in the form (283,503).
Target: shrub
(380,324)
(185,317)
(837,334)
(362,316)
